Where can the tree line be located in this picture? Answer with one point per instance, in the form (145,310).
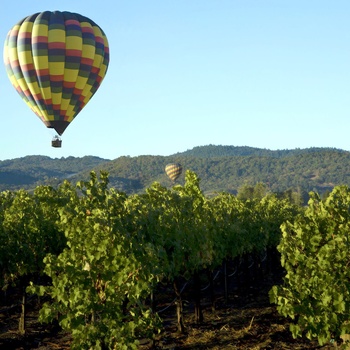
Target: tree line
(220,168)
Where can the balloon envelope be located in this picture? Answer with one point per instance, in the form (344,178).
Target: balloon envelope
(173,170)
(56,61)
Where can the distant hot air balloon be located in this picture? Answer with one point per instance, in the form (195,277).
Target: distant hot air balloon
(56,61)
(173,171)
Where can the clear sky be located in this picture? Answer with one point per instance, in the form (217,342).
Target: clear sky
(271,74)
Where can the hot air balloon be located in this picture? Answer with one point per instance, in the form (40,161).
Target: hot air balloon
(56,61)
(173,171)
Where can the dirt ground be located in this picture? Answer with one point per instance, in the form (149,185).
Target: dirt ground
(247,321)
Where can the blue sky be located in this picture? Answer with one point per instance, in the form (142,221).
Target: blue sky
(185,73)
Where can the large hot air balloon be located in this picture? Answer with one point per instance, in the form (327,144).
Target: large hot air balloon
(173,171)
(56,61)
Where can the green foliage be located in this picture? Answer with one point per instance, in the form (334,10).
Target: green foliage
(221,168)
(31,171)
(248,226)
(246,192)
(238,151)
(99,280)
(232,236)
(271,213)
(105,250)
(177,226)
(299,170)
(315,251)
(28,232)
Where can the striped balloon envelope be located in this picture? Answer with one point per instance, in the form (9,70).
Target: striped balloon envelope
(173,171)
(56,61)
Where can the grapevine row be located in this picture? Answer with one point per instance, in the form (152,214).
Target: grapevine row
(106,252)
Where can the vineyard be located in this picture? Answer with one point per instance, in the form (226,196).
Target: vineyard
(109,270)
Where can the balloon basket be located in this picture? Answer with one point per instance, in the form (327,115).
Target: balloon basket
(56,142)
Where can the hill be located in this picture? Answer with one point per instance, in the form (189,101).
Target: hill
(221,168)
(303,171)
(226,151)
(30,171)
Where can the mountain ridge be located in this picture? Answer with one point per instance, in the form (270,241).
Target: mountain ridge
(225,150)
(220,168)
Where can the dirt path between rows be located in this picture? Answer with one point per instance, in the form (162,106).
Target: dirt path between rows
(248,321)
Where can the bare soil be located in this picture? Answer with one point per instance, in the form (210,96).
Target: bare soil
(247,321)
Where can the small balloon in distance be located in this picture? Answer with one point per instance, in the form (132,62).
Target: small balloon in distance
(173,170)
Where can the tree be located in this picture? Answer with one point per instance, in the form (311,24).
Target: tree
(246,192)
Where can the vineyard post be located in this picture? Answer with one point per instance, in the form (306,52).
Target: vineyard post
(197,297)
(179,308)
(21,324)
(211,286)
(226,281)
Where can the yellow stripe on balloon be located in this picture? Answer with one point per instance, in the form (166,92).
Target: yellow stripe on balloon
(41,62)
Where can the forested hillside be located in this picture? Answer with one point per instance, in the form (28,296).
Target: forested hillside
(27,172)
(220,168)
(299,170)
(224,151)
